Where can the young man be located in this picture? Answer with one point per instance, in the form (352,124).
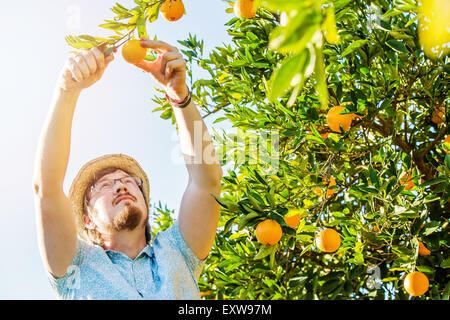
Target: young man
(95,242)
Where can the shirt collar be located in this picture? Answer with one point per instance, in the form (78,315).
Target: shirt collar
(148,250)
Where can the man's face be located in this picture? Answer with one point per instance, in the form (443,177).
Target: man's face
(117,205)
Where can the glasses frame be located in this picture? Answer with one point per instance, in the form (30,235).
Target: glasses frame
(95,190)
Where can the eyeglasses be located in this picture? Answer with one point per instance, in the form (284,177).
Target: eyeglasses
(108,184)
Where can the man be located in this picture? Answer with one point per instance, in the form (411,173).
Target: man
(95,242)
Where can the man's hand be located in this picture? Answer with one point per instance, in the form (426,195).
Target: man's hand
(83,68)
(168,70)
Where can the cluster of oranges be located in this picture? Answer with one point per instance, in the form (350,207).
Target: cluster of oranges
(171,10)
(269,232)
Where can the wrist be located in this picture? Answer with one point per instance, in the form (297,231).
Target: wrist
(180,103)
(178,96)
(68,92)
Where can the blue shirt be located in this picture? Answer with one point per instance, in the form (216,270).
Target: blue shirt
(165,269)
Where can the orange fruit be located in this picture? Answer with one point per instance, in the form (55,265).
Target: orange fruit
(437,115)
(292,218)
(318,191)
(328,240)
(447,143)
(407,179)
(423,251)
(245,8)
(416,283)
(172,10)
(268,232)
(334,119)
(132,51)
(205,293)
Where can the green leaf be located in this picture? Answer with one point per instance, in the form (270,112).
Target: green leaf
(141,27)
(282,78)
(283,5)
(166,114)
(374,177)
(246,219)
(447,161)
(354,46)
(445,263)
(321,85)
(397,46)
(238,235)
(265,251)
(429,228)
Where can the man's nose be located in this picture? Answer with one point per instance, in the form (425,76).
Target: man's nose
(120,188)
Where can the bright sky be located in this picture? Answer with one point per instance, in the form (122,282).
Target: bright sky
(112,116)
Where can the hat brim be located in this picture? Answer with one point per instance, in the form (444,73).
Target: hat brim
(87,172)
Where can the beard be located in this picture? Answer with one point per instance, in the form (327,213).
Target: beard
(130,218)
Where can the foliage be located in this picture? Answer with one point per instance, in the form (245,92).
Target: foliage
(273,81)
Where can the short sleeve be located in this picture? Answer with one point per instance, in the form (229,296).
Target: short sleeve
(195,264)
(71,279)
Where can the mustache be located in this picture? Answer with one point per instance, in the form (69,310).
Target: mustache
(123,195)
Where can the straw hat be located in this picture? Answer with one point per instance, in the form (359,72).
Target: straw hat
(87,172)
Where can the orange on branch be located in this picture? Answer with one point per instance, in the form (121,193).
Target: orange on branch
(423,251)
(268,232)
(438,115)
(133,52)
(293,217)
(416,283)
(328,240)
(245,8)
(335,120)
(172,10)
(406,180)
(318,191)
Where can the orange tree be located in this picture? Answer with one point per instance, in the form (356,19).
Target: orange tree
(385,178)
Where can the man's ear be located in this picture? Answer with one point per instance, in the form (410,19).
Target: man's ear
(88,223)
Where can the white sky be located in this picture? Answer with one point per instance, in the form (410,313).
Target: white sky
(112,116)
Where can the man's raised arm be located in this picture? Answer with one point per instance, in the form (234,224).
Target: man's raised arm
(199,211)
(56,226)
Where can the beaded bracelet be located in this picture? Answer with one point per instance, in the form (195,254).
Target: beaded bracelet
(181,104)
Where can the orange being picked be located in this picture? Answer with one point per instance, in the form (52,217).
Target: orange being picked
(268,232)
(328,240)
(447,143)
(132,51)
(293,217)
(438,114)
(245,8)
(423,251)
(335,120)
(407,179)
(416,283)
(172,10)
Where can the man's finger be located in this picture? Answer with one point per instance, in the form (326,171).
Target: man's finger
(158,46)
(89,58)
(175,65)
(99,57)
